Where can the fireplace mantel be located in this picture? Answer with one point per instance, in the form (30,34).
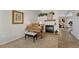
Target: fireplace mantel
(48,22)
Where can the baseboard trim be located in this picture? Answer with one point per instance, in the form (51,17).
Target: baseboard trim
(74,35)
(11,40)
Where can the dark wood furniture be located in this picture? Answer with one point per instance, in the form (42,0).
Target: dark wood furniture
(31,34)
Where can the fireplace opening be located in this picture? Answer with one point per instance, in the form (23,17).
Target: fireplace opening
(49,28)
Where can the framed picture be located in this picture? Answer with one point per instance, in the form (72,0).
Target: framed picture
(17,17)
(77,14)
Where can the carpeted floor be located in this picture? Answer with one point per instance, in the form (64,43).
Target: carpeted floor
(63,40)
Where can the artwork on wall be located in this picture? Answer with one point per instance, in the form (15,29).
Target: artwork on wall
(17,17)
(77,14)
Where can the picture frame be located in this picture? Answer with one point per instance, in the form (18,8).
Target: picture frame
(77,14)
(17,17)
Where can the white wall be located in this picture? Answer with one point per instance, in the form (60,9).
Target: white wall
(55,11)
(9,31)
(75,26)
(58,13)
